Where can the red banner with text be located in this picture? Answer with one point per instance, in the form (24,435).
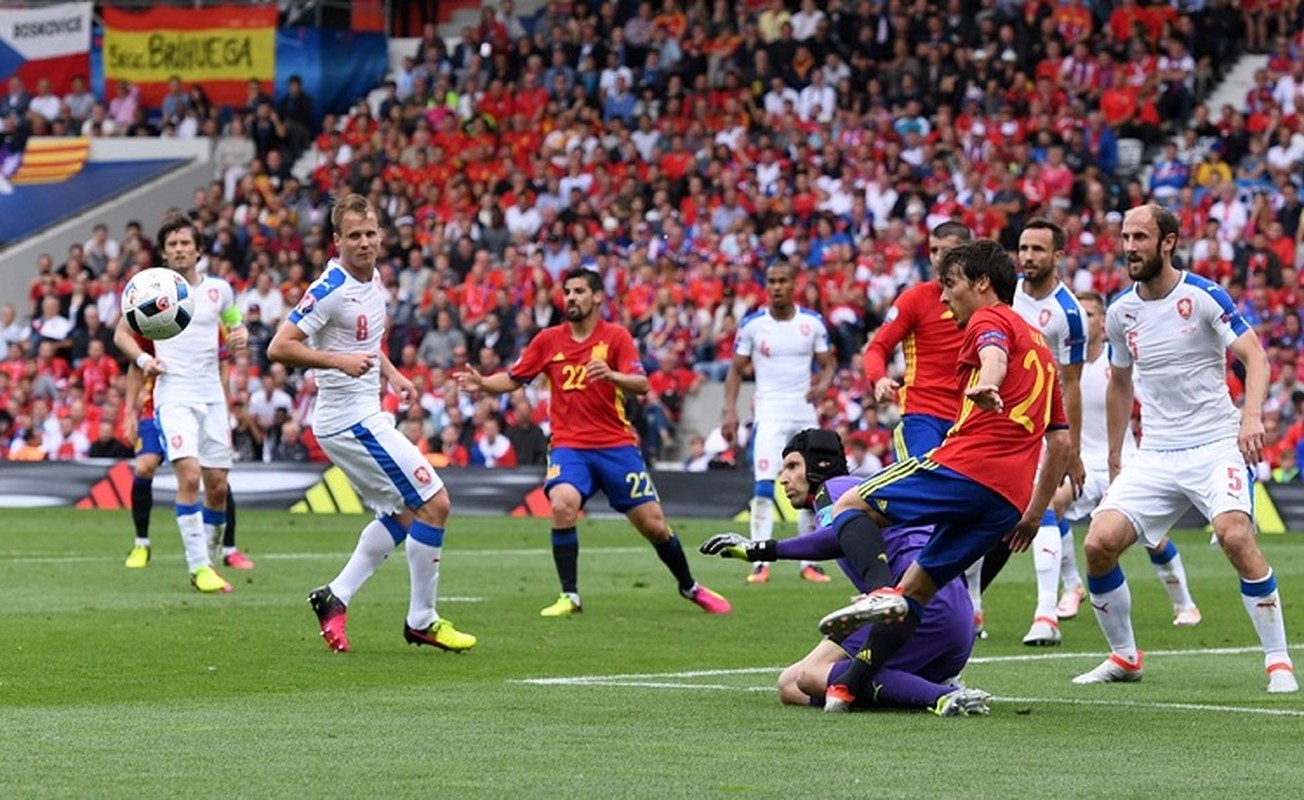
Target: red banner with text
(221,48)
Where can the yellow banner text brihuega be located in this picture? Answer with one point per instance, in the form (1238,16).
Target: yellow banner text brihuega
(196,55)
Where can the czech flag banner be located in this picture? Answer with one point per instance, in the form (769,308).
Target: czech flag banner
(220,48)
(52,41)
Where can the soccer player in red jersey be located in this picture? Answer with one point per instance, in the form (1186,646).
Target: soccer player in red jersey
(977,488)
(925,328)
(592,365)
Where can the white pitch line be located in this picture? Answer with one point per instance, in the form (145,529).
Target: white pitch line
(1271,712)
(578,680)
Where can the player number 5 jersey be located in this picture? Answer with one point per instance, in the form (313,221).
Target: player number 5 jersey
(1178,346)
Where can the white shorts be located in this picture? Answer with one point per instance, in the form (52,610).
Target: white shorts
(1093,491)
(196,430)
(1154,488)
(769,438)
(386,469)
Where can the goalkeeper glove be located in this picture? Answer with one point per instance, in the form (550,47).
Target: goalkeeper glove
(733,545)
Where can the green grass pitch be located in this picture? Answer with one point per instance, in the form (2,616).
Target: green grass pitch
(127,683)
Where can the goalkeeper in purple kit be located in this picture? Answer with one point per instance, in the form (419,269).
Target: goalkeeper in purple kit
(923,673)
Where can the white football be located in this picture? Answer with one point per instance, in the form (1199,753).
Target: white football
(158,303)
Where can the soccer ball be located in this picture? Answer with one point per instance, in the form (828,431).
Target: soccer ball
(158,303)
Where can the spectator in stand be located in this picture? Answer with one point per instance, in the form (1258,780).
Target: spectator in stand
(174,104)
(296,111)
(108,445)
(529,442)
(45,105)
(51,326)
(122,108)
(290,447)
(492,449)
(78,101)
(451,451)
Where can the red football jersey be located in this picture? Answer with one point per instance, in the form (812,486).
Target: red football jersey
(1001,450)
(926,330)
(586,415)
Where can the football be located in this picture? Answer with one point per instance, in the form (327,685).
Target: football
(158,303)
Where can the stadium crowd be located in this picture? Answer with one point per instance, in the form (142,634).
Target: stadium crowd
(677,150)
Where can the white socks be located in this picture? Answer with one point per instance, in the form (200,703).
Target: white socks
(1046,553)
(762,521)
(190,521)
(1263,604)
(424,545)
(1168,566)
(375,543)
(974,577)
(1112,601)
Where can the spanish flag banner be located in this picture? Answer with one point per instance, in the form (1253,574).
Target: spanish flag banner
(220,47)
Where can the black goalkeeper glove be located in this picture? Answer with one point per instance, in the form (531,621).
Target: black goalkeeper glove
(733,545)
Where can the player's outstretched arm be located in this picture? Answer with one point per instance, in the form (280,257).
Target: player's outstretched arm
(820,544)
(470,380)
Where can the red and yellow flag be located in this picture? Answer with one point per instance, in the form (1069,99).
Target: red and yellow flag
(221,48)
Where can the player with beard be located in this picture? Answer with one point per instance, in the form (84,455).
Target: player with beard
(1175,329)
(591,366)
(1095,457)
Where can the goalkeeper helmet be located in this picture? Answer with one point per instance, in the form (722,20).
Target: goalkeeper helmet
(822,450)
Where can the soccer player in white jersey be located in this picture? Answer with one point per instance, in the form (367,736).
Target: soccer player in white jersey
(190,400)
(1045,302)
(337,329)
(1095,457)
(778,343)
(1175,329)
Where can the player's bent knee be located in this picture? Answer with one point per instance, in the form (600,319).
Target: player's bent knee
(435,511)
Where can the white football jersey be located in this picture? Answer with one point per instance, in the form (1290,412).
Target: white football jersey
(191,357)
(1060,319)
(1178,345)
(781,353)
(341,314)
(1095,428)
